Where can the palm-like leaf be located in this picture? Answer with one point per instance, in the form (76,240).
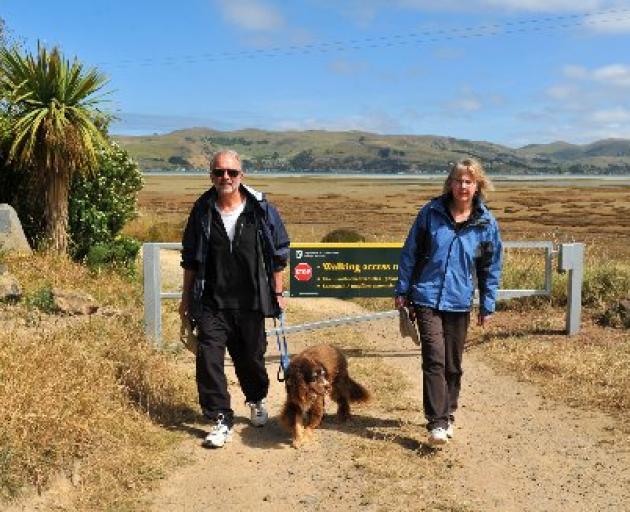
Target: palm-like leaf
(52,107)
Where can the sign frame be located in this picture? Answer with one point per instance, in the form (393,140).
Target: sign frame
(343,270)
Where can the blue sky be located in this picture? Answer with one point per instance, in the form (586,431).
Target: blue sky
(512,72)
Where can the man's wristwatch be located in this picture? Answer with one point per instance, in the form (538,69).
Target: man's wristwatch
(279,294)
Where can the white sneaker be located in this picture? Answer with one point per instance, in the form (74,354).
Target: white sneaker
(218,435)
(438,436)
(449,430)
(258,413)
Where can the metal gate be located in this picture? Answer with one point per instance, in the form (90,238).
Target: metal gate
(570,258)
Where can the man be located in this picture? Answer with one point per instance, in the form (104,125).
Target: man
(235,248)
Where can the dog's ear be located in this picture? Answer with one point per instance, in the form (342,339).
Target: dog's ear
(295,383)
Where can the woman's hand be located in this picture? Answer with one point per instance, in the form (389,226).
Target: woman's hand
(483,319)
(400,301)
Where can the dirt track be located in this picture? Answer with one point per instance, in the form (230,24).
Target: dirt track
(513,450)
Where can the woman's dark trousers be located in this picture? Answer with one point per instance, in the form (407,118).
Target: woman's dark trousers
(442,336)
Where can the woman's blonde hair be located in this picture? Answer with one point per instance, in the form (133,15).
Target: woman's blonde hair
(475,169)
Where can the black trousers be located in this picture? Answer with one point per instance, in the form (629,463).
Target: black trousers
(442,336)
(243,334)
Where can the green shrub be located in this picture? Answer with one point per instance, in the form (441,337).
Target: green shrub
(604,282)
(119,253)
(41,299)
(616,315)
(100,205)
(343,235)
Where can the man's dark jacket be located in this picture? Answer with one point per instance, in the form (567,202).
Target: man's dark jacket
(271,239)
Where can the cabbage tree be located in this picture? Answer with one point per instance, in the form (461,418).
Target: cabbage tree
(55,126)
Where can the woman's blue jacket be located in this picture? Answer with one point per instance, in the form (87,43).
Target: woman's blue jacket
(437,262)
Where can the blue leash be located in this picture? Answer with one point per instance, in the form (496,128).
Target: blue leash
(283,349)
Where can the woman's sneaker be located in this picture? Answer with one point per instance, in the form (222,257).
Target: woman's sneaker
(438,436)
(219,434)
(258,413)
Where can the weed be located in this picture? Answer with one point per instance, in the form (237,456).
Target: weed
(41,298)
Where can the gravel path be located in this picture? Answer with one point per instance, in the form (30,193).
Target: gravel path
(513,449)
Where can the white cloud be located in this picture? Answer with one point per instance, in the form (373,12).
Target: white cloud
(591,104)
(545,5)
(614,117)
(615,74)
(571,71)
(613,15)
(609,23)
(508,5)
(561,92)
(254,15)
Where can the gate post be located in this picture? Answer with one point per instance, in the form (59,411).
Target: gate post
(571,259)
(152,291)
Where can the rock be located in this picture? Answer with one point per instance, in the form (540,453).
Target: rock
(309,499)
(110,311)
(12,237)
(72,302)
(10,289)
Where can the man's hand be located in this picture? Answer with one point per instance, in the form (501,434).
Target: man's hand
(184,305)
(282,302)
(183,309)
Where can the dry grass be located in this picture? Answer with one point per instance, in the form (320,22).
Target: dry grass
(85,398)
(590,370)
(383,209)
(108,288)
(605,279)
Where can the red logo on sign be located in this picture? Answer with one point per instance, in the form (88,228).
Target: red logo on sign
(303,272)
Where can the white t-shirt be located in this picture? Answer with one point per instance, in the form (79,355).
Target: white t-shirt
(229,220)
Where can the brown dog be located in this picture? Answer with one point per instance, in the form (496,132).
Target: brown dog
(312,374)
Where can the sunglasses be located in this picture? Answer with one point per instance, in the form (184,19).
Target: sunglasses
(219,173)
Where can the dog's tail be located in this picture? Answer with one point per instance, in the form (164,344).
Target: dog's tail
(357,392)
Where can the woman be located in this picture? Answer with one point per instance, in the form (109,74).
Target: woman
(453,236)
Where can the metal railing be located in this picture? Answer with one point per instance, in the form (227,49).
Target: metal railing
(570,259)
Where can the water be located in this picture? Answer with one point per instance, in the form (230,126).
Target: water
(550,179)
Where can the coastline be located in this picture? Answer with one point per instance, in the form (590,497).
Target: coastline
(563,178)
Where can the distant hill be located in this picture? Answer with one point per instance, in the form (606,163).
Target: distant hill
(324,151)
